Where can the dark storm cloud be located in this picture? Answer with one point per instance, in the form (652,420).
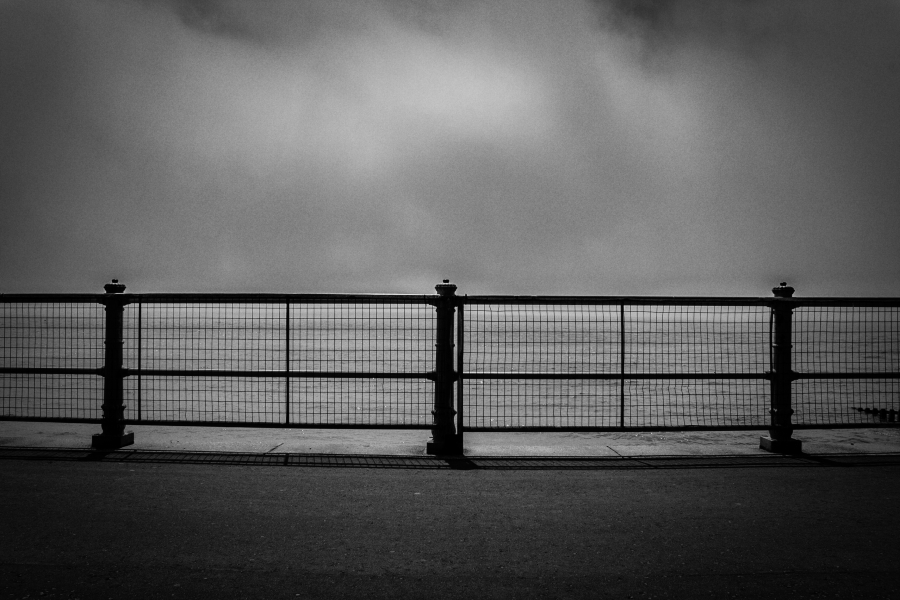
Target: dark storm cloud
(604,147)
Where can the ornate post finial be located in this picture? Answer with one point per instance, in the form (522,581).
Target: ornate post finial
(446,288)
(783,290)
(115,287)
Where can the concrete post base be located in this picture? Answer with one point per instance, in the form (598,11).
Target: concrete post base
(450,446)
(788,446)
(105,442)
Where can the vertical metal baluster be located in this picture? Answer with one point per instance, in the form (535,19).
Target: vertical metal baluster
(622,365)
(287,362)
(139,365)
(460,335)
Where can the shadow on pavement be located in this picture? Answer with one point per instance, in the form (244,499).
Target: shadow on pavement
(450,462)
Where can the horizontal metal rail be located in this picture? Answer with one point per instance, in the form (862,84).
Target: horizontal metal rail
(430,374)
(210,423)
(617,300)
(269,298)
(291,425)
(668,428)
(274,373)
(859,375)
(50,371)
(52,419)
(843,302)
(615,376)
(214,298)
(51,298)
(415,426)
(678,301)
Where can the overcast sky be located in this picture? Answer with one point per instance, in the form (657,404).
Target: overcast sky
(546,147)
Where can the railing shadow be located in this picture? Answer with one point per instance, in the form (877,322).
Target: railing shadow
(462,463)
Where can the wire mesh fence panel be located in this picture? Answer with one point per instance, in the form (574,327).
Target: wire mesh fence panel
(51,335)
(369,339)
(205,336)
(241,344)
(846,339)
(689,339)
(845,401)
(561,404)
(51,396)
(199,399)
(852,340)
(362,338)
(684,403)
(365,402)
(527,338)
(542,339)
(608,340)
(552,404)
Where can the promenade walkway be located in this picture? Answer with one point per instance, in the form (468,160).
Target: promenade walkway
(213,513)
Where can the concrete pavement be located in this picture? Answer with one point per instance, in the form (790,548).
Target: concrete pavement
(127,529)
(251,514)
(412,442)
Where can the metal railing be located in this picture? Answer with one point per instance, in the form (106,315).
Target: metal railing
(521,363)
(300,360)
(544,363)
(615,363)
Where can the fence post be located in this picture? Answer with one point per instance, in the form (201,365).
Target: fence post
(444,438)
(113,423)
(781,377)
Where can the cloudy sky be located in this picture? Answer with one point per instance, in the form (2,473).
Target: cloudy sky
(538,147)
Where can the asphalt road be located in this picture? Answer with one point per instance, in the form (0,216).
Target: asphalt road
(86,529)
